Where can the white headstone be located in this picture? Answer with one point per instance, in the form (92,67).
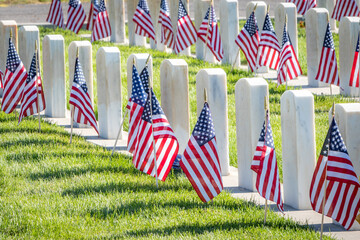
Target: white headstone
(134,39)
(54,76)
(116,10)
(5,26)
(250,115)
(229,30)
(347,116)
(109,91)
(154,7)
(174,81)
(329,5)
(298,146)
(348,36)
(290,10)
(316,21)
(140,63)
(214,81)
(28,35)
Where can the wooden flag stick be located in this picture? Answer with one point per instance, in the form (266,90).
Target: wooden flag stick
(152,129)
(37,83)
(72,110)
(207,31)
(266,107)
(118,135)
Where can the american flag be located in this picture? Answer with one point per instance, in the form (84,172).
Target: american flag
(269,47)
(142,18)
(328,70)
(345,8)
(101,28)
(55,15)
(167,32)
(354,76)
(303,5)
(14,80)
(166,144)
(264,164)
(289,66)
(335,171)
(136,106)
(200,161)
(209,29)
(94,9)
(76,16)
(1,79)
(248,41)
(80,99)
(186,31)
(33,95)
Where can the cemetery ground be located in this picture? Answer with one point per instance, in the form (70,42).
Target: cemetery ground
(52,190)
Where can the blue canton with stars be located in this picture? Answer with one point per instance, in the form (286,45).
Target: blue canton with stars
(102,7)
(204,130)
(286,37)
(156,108)
(144,76)
(182,10)
(212,16)
(144,6)
(32,71)
(138,94)
(74,3)
(79,76)
(13,60)
(251,25)
(328,41)
(336,142)
(325,147)
(262,134)
(164,6)
(269,141)
(268,24)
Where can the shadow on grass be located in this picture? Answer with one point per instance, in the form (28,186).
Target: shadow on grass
(32,141)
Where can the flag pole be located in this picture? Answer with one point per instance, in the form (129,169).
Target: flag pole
(207,31)
(324,199)
(11,36)
(152,129)
(266,107)
(286,68)
(330,82)
(72,109)
(37,83)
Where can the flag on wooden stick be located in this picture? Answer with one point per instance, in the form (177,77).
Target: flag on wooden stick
(101,28)
(55,15)
(209,29)
(80,99)
(167,34)
(14,80)
(1,79)
(335,172)
(92,14)
(354,76)
(33,98)
(200,161)
(345,8)
(328,70)
(186,31)
(76,16)
(248,41)
(142,19)
(303,5)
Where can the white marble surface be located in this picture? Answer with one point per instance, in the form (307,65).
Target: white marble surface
(329,5)
(116,10)
(28,35)
(5,26)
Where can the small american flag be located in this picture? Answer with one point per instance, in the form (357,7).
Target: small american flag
(200,161)
(80,99)
(55,15)
(92,14)
(186,31)
(101,28)
(303,5)
(14,80)
(335,171)
(248,41)
(209,29)
(1,79)
(33,95)
(136,106)
(166,144)
(142,18)
(264,164)
(269,47)
(76,16)
(167,32)
(328,70)
(289,67)
(345,8)
(354,76)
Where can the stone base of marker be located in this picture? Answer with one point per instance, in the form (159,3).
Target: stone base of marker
(5,26)
(134,39)
(348,35)
(109,92)
(214,81)
(28,35)
(54,76)
(174,80)
(250,116)
(140,63)
(316,20)
(85,57)
(116,11)
(298,134)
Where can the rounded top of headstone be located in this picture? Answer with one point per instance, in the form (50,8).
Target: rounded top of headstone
(8,22)
(256,81)
(211,72)
(317,11)
(54,37)
(286,5)
(175,62)
(297,93)
(80,44)
(348,107)
(29,29)
(350,20)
